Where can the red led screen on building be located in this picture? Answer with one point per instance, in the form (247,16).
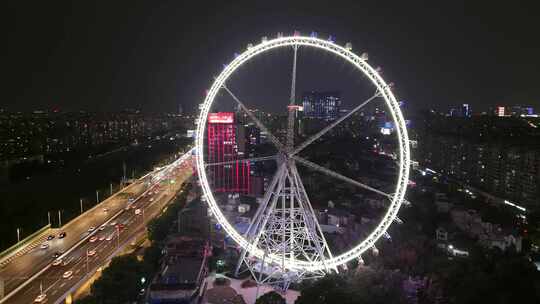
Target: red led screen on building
(221,117)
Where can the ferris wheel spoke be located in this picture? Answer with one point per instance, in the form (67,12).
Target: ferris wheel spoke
(291,109)
(259,124)
(253,159)
(313,138)
(334,174)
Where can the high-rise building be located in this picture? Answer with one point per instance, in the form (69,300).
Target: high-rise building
(520,110)
(466,110)
(321,105)
(223,147)
(499,156)
(463,111)
(500,111)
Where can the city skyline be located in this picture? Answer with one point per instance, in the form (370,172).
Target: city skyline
(284,153)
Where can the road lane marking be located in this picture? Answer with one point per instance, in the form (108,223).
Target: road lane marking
(96,259)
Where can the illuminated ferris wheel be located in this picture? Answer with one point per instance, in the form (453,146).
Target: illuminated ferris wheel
(284,241)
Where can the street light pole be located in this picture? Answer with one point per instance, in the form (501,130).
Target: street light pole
(49,217)
(111,188)
(18,235)
(59,218)
(97,196)
(118,236)
(81,206)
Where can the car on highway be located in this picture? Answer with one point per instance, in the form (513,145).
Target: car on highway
(91,253)
(67,274)
(137,211)
(131,200)
(120,226)
(57,262)
(110,237)
(113,223)
(102,238)
(151,199)
(102,227)
(44,246)
(91,229)
(105,210)
(56,254)
(127,207)
(93,239)
(40,298)
(62,235)
(50,237)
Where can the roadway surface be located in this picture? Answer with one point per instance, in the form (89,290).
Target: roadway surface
(26,265)
(80,259)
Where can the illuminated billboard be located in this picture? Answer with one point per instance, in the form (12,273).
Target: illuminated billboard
(221,117)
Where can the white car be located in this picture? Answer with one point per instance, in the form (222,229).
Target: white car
(101,238)
(109,237)
(137,211)
(91,253)
(57,262)
(40,298)
(67,274)
(112,223)
(151,199)
(93,239)
(44,246)
(102,227)
(91,229)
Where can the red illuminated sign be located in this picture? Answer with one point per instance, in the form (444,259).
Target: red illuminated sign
(221,117)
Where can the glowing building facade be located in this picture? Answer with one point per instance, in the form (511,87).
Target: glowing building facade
(223,147)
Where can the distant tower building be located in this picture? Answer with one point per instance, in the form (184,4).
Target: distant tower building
(500,111)
(322,105)
(463,111)
(253,139)
(223,147)
(466,110)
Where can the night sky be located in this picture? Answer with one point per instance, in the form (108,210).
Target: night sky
(153,55)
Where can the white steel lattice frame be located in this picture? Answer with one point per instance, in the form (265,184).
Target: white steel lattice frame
(396,199)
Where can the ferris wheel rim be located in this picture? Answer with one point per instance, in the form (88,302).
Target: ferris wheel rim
(401,132)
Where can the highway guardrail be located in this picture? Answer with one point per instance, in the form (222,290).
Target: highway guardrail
(9,252)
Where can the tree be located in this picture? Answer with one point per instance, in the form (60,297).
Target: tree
(120,282)
(271,297)
(490,277)
(89,299)
(369,286)
(329,289)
